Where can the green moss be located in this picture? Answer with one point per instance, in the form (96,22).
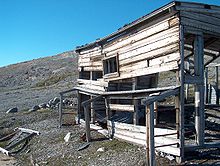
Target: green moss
(52,80)
(116,145)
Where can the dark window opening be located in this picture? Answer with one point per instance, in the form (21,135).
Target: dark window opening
(84,75)
(110,65)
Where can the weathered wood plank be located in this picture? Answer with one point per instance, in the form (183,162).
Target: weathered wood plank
(161,26)
(150,42)
(160,51)
(121,107)
(164,59)
(201,25)
(145,71)
(197,10)
(93,68)
(90,50)
(93,87)
(101,83)
(141,129)
(201,17)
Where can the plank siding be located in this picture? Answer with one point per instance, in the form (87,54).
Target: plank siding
(150,51)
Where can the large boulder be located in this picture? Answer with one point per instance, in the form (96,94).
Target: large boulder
(12,110)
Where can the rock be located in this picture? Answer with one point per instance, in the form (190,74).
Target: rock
(171,158)
(66,101)
(48,105)
(12,110)
(55,100)
(34,108)
(67,137)
(102,149)
(43,105)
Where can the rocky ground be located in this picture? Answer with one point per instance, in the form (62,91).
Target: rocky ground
(32,83)
(49,148)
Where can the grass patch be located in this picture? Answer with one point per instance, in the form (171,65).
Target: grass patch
(52,80)
(116,145)
(42,110)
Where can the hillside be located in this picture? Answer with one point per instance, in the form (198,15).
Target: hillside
(29,83)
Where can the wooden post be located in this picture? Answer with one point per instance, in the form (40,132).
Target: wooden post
(107,109)
(177,107)
(182,98)
(199,89)
(151,136)
(147,136)
(135,102)
(150,148)
(156,119)
(79,110)
(61,109)
(87,123)
(108,116)
(206,86)
(187,91)
(216,85)
(92,77)
(209,93)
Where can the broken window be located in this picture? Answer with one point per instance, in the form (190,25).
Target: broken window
(110,66)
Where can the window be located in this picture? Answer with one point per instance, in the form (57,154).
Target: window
(110,66)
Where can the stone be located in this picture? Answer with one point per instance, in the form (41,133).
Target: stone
(12,110)
(43,105)
(34,108)
(102,149)
(66,101)
(50,102)
(67,137)
(171,158)
(55,100)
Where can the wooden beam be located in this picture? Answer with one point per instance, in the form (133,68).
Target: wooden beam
(122,107)
(207,43)
(61,109)
(160,96)
(182,97)
(147,135)
(135,102)
(206,85)
(216,82)
(199,88)
(152,146)
(79,109)
(87,124)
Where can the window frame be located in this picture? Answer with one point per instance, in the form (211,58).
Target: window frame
(110,74)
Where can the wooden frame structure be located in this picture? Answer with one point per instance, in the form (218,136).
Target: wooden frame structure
(181,38)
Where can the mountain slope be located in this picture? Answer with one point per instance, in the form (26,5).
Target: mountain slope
(29,83)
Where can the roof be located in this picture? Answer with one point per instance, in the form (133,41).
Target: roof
(135,23)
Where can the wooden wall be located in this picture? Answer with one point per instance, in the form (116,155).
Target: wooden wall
(150,50)
(141,52)
(91,60)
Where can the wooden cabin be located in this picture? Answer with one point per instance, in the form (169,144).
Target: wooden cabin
(125,76)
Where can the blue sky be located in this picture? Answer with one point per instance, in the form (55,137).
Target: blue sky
(30,29)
